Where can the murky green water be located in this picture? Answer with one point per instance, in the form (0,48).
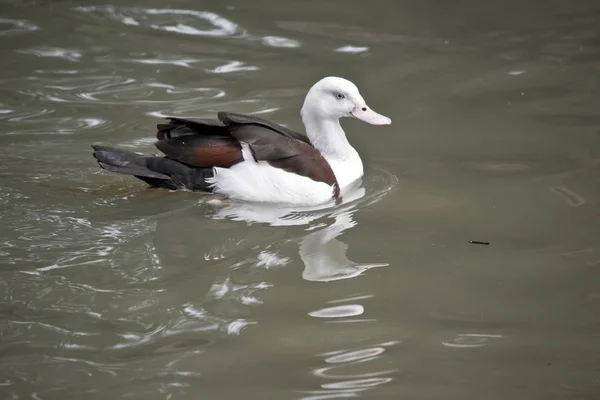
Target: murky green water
(113,290)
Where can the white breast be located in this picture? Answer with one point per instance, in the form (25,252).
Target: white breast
(347,171)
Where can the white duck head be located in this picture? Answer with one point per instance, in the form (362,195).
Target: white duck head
(332,98)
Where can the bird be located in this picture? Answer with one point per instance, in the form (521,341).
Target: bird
(247,158)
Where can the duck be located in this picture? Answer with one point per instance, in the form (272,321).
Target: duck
(247,158)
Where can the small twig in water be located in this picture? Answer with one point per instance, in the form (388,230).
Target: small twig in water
(477,242)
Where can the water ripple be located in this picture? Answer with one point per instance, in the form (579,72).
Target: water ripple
(55,126)
(115,90)
(349,381)
(166,60)
(278,41)
(222,26)
(186,22)
(15,26)
(349,310)
(46,51)
(233,66)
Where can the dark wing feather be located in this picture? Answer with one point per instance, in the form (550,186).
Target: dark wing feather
(202,151)
(190,126)
(231,119)
(198,142)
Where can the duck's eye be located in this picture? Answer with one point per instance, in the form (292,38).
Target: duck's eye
(339,96)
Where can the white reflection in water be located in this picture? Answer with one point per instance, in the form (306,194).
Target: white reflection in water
(57,126)
(354,355)
(44,51)
(569,196)
(235,327)
(471,340)
(171,20)
(267,259)
(276,41)
(117,90)
(222,290)
(30,116)
(222,26)
(348,310)
(351,49)
(324,256)
(58,71)
(356,384)
(350,384)
(137,143)
(233,66)
(200,320)
(354,298)
(182,62)
(184,22)
(12,26)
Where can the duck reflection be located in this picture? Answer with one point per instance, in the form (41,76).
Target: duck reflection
(323,255)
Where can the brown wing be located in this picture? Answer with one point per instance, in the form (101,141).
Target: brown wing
(202,151)
(199,143)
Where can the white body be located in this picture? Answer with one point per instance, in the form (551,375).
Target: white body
(259,182)
(326,102)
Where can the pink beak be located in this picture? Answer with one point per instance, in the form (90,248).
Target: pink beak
(369,116)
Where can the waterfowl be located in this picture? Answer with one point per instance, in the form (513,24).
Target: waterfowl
(248,158)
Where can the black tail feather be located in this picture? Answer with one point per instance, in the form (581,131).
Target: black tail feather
(155,171)
(125,162)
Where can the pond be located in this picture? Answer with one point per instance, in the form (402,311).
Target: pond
(109,288)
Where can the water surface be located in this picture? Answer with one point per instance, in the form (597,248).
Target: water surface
(112,289)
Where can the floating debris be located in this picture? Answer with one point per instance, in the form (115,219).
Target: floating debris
(478,242)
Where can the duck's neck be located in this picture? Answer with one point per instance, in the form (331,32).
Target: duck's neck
(327,136)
